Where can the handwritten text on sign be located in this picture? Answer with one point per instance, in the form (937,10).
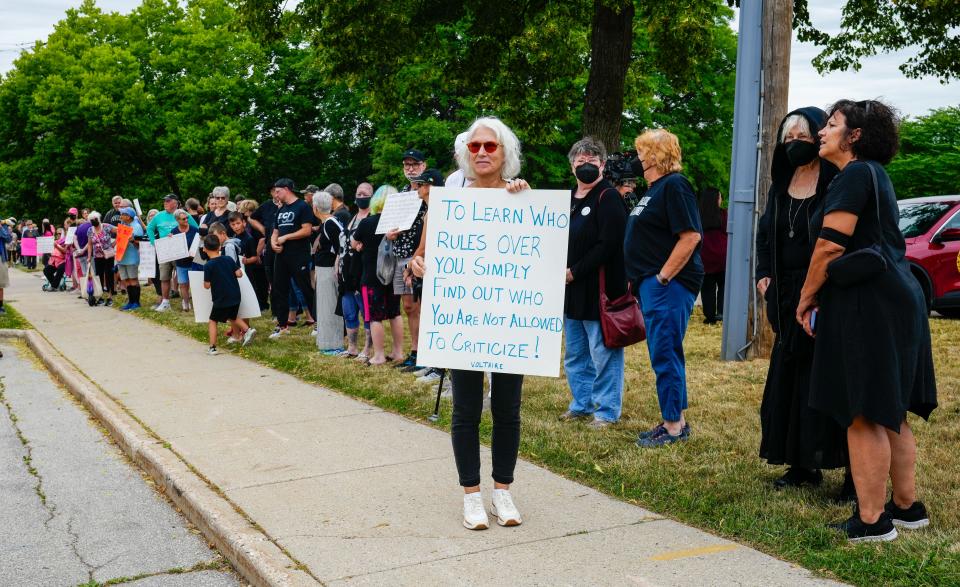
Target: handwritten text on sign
(494,283)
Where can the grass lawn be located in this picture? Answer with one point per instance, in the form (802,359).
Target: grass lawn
(715,481)
(12,319)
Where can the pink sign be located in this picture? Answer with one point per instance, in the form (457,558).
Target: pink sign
(28,247)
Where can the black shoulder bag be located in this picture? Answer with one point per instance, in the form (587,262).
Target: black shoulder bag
(863,264)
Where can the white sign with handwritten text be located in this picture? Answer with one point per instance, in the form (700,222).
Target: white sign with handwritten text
(495,277)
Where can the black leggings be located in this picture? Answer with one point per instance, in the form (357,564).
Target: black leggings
(712,295)
(104,269)
(465,424)
(297,267)
(54,274)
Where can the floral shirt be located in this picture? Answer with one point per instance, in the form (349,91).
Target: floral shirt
(102,241)
(408,240)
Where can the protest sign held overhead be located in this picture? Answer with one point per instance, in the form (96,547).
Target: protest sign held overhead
(494,282)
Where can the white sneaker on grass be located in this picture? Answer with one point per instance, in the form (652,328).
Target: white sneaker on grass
(278,332)
(430,377)
(248,336)
(232,340)
(474,516)
(503,508)
(163,306)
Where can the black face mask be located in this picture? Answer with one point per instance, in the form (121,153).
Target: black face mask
(636,165)
(363,203)
(587,173)
(801,152)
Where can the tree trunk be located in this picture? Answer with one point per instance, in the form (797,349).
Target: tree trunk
(777,33)
(611,43)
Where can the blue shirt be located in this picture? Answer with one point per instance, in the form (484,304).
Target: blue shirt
(131,256)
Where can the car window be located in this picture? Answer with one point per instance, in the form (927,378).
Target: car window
(916,219)
(953,222)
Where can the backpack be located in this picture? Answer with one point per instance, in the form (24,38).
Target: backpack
(386,262)
(351,268)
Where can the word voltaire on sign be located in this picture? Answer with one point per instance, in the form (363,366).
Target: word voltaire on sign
(495,277)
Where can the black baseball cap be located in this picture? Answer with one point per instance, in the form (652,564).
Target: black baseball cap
(285,182)
(413,154)
(430,176)
(169,197)
(310,189)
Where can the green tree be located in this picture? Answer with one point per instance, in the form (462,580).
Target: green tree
(928,163)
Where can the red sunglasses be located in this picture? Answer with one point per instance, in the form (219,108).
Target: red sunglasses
(488,146)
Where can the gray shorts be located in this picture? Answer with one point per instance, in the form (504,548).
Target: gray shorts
(128,271)
(167,270)
(4,275)
(399,287)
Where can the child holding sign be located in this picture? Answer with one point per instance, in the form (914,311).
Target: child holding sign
(129,232)
(221,276)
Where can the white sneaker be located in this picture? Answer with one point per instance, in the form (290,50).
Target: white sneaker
(163,306)
(474,516)
(248,336)
(232,340)
(430,377)
(502,507)
(278,332)
(422,372)
(313,332)
(212,351)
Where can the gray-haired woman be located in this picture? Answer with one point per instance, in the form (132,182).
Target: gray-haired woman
(326,248)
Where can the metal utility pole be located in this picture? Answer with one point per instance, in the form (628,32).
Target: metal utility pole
(741,218)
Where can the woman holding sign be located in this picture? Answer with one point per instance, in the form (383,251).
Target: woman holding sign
(662,257)
(491,155)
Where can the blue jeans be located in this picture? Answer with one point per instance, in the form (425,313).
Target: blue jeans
(594,372)
(666,312)
(352,306)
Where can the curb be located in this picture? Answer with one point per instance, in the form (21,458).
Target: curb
(249,550)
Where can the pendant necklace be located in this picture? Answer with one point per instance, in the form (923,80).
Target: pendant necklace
(791,217)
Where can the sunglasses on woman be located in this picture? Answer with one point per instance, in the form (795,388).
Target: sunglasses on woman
(488,146)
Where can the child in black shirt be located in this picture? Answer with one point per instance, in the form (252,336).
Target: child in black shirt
(220,276)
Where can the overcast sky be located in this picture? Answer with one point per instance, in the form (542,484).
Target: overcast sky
(21,23)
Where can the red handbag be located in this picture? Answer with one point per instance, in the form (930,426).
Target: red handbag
(620,320)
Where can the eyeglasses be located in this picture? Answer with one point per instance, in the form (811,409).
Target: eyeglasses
(488,146)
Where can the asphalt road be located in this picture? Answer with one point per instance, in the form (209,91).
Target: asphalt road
(73,510)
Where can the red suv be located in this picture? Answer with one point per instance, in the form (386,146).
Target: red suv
(931,228)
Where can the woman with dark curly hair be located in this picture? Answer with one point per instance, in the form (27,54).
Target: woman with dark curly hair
(872,359)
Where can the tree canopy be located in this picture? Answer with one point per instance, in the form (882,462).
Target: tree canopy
(928,163)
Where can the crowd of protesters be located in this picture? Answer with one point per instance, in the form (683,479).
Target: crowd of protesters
(830,262)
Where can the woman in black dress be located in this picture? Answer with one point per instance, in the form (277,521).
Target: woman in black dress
(872,360)
(793,433)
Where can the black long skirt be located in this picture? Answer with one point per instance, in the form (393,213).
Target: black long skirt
(793,433)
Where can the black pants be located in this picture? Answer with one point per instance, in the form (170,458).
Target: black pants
(465,424)
(54,274)
(104,270)
(289,266)
(31,262)
(258,278)
(712,296)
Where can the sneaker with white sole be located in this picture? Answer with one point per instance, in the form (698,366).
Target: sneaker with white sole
(421,372)
(163,306)
(248,336)
(503,508)
(474,516)
(232,340)
(278,332)
(912,518)
(213,351)
(430,377)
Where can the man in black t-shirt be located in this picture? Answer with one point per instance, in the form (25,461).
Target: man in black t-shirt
(262,221)
(290,240)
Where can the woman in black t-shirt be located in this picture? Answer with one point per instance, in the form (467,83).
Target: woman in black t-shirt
(872,359)
(380,304)
(662,258)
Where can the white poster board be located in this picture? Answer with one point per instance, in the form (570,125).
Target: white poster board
(71,237)
(172,247)
(202,298)
(399,212)
(495,277)
(44,245)
(136,205)
(148,261)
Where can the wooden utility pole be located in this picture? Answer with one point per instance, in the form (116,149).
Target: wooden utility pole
(777,35)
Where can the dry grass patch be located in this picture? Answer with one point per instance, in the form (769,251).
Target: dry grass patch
(715,481)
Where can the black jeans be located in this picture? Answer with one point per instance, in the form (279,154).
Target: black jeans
(54,274)
(465,424)
(104,269)
(712,296)
(296,266)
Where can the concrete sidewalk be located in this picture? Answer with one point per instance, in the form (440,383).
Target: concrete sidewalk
(363,496)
